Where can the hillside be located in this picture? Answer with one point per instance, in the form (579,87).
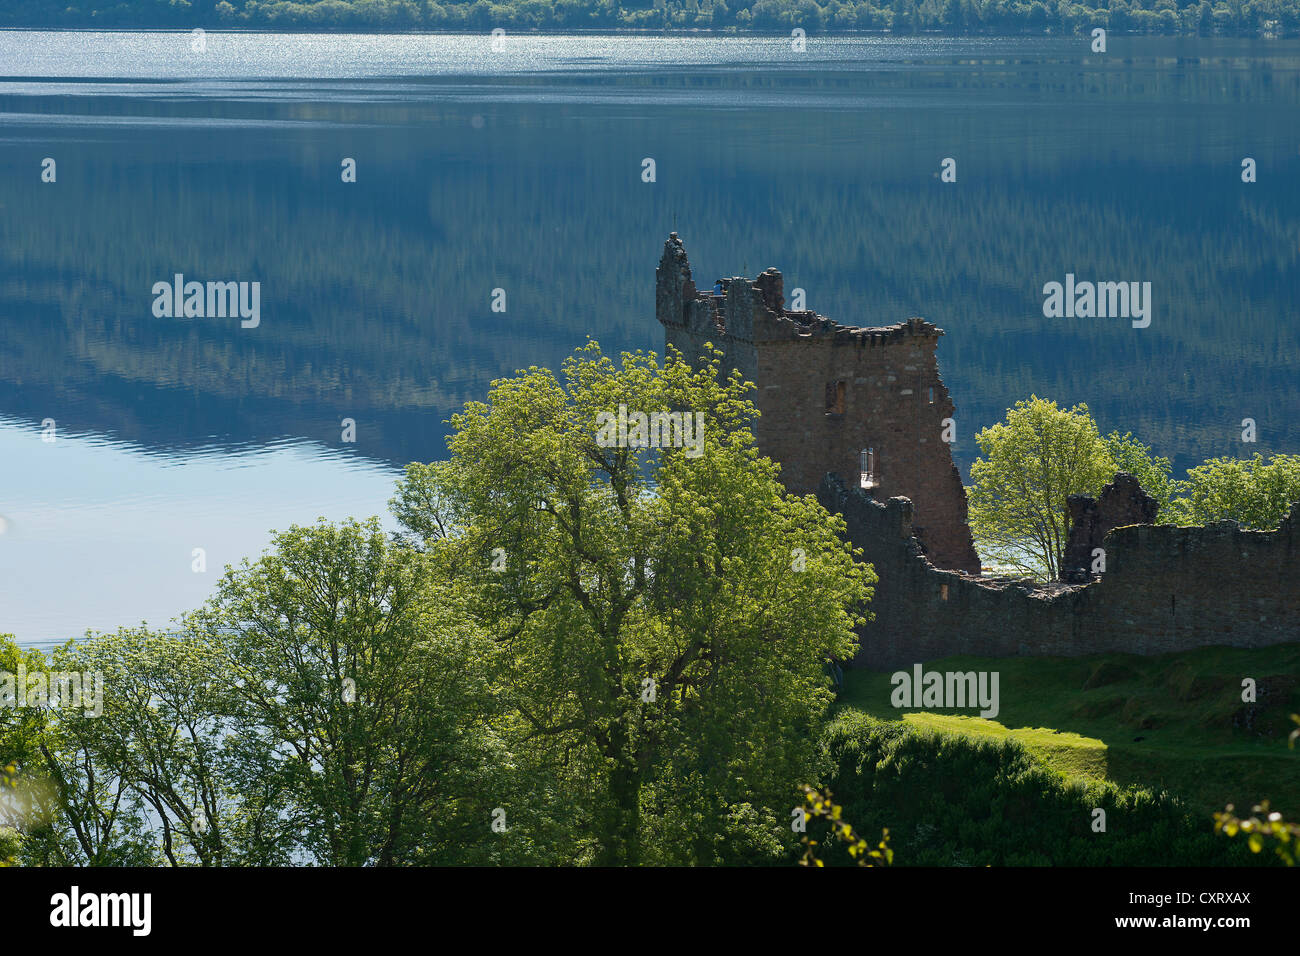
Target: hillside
(1174,722)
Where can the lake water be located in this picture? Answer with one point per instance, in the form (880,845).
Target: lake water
(520,169)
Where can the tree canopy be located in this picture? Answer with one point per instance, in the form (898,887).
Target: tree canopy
(580,648)
(1041,454)
(1255,492)
(1031,464)
(665,618)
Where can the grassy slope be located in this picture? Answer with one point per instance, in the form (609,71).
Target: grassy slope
(1160,722)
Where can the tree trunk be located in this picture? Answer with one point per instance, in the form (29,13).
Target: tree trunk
(622,836)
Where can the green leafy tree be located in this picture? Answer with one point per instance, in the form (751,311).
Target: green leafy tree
(152,733)
(10,838)
(418,507)
(329,705)
(1256,492)
(357,699)
(20,734)
(664,617)
(1030,464)
(95,817)
(60,809)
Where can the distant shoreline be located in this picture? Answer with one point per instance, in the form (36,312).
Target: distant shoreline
(517,31)
(730,31)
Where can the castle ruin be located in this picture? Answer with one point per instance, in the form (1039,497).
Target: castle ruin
(856,415)
(861,401)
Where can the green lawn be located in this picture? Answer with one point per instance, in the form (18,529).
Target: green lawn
(1175,722)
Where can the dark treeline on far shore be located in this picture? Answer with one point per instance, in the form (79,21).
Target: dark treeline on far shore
(1237,18)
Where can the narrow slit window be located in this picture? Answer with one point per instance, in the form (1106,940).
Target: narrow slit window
(835,398)
(931,394)
(867,468)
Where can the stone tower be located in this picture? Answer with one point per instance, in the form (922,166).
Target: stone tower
(864,402)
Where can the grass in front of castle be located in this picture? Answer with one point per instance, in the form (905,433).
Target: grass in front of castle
(1175,722)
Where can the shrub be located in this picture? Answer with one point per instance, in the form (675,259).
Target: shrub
(950,800)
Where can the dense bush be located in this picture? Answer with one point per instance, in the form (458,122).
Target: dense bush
(950,800)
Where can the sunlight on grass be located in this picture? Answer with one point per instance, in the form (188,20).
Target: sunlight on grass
(1175,721)
(1067,753)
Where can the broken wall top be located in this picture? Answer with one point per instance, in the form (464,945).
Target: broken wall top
(753,310)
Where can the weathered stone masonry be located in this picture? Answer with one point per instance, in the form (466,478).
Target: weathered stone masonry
(828,392)
(831,397)
(1165,589)
(1122,502)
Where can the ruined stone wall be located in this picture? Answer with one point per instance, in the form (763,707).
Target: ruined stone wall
(893,400)
(827,391)
(1121,502)
(889,377)
(1165,589)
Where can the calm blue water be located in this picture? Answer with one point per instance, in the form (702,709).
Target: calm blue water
(521,169)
